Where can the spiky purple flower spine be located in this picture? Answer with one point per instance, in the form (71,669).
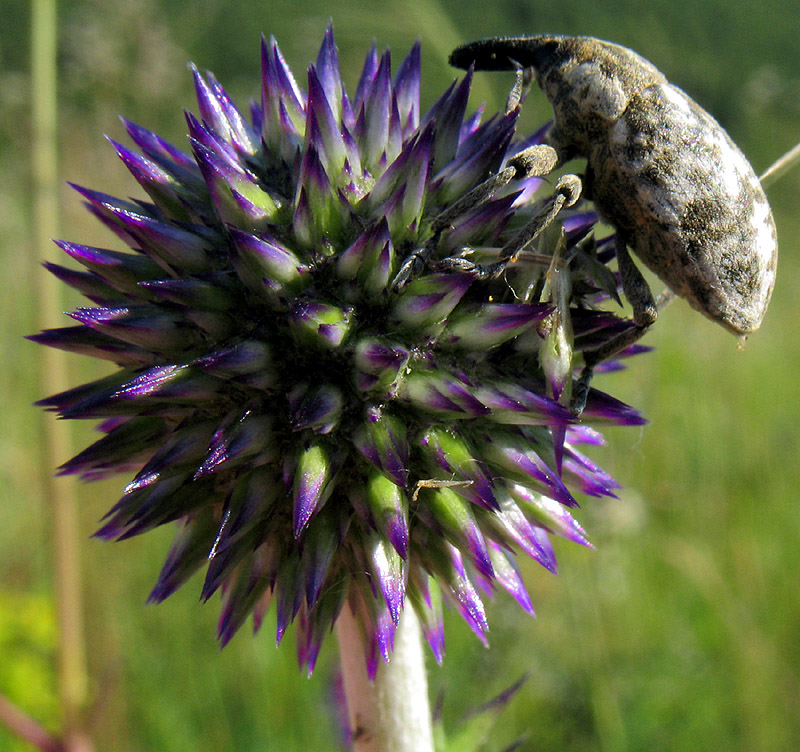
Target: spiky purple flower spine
(323,437)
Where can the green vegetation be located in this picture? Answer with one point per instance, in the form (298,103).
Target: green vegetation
(680,632)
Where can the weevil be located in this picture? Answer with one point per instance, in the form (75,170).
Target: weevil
(660,170)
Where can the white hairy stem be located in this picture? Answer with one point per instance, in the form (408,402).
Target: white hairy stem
(391,714)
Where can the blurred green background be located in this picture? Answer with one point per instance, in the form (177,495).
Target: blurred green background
(680,632)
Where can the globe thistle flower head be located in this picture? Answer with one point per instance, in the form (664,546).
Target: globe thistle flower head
(325,371)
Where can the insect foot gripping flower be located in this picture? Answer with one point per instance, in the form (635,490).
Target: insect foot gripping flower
(337,412)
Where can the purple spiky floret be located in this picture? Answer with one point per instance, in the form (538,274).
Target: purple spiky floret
(383,441)
(333,415)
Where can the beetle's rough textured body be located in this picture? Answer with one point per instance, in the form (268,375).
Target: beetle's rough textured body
(660,169)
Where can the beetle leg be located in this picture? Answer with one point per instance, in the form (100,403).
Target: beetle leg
(414,264)
(635,287)
(580,393)
(535,161)
(523,79)
(645,312)
(567,192)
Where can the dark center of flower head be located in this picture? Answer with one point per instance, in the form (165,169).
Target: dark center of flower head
(317,376)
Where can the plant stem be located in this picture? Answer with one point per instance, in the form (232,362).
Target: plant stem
(60,495)
(27,728)
(392,713)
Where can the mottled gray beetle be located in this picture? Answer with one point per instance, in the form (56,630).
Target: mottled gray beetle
(660,170)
